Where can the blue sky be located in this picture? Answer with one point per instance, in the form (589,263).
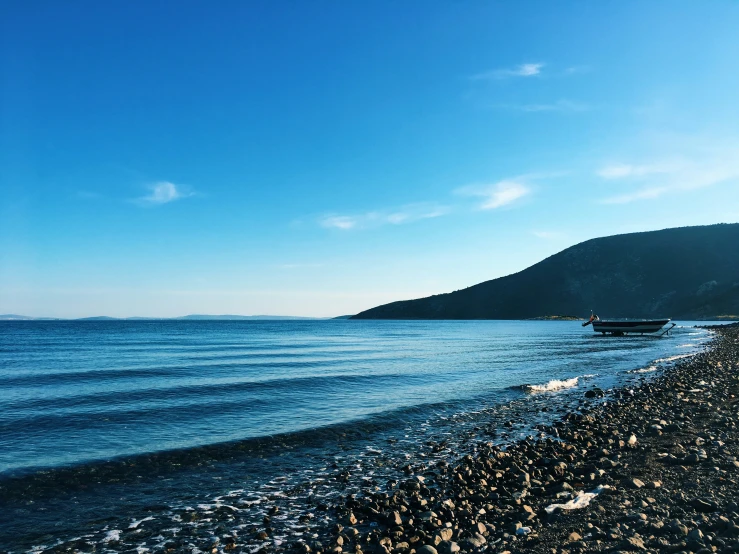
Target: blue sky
(305,158)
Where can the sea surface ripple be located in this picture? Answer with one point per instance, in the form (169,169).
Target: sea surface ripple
(156,411)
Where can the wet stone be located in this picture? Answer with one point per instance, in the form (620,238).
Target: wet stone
(634,483)
(635,542)
(448,547)
(704,505)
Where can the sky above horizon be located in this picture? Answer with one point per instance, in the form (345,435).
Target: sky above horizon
(318,159)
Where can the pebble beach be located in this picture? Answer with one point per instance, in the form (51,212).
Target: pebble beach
(648,469)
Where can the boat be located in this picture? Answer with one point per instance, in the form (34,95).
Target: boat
(621,327)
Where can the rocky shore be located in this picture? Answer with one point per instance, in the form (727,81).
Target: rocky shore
(646,468)
(650,469)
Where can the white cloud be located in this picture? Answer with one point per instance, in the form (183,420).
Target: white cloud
(621,171)
(528,69)
(496,195)
(523,70)
(642,194)
(397,216)
(163,192)
(339,222)
(673,176)
(616,171)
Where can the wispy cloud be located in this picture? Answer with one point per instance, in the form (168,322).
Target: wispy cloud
(655,179)
(340,221)
(491,196)
(496,195)
(398,216)
(523,70)
(621,171)
(163,192)
(641,194)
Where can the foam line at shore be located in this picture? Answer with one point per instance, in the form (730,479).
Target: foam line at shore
(673,358)
(649,369)
(553,385)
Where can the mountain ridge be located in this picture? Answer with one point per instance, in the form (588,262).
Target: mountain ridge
(192,317)
(684,272)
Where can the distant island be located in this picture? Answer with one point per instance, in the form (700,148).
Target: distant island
(689,273)
(557,318)
(240,317)
(194,317)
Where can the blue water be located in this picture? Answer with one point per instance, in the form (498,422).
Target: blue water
(74,392)
(100,419)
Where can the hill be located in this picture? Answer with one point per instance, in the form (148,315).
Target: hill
(245,317)
(14,317)
(194,317)
(683,273)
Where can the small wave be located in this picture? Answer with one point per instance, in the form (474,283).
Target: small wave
(644,369)
(113,536)
(553,385)
(673,358)
(135,523)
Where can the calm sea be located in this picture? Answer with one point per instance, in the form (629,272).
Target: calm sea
(167,412)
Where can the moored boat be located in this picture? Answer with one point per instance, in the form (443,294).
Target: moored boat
(627,326)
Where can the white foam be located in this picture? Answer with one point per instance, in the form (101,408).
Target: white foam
(113,536)
(645,369)
(554,385)
(673,358)
(136,523)
(580,501)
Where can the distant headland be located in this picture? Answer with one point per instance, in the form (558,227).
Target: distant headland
(689,273)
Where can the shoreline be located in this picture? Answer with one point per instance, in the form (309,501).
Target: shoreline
(437,504)
(660,461)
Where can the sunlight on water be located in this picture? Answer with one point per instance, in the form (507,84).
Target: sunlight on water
(228,415)
(82,391)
